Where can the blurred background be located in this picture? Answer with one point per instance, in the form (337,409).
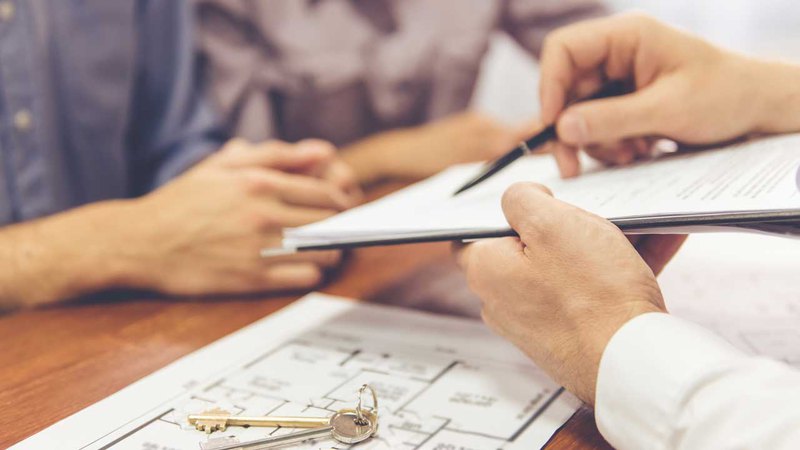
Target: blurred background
(507,88)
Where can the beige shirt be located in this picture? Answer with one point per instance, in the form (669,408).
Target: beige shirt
(344,69)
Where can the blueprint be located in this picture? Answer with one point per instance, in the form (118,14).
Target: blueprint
(442,382)
(745,287)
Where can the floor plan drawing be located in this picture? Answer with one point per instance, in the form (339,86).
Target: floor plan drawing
(442,382)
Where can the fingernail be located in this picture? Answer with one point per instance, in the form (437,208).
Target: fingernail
(573,128)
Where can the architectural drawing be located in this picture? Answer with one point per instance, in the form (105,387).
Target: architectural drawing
(443,383)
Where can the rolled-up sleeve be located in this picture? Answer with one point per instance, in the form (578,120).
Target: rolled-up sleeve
(173,125)
(665,383)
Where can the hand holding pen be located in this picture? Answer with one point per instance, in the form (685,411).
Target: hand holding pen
(611,89)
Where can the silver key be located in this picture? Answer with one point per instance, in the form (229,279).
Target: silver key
(348,426)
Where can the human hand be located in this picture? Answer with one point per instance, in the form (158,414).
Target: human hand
(333,169)
(564,287)
(201,234)
(422,151)
(685,89)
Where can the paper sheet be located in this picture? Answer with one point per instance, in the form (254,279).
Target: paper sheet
(757,175)
(442,382)
(744,287)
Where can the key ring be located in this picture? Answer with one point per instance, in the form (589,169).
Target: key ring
(360,419)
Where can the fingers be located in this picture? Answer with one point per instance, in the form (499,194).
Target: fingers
(306,191)
(343,176)
(278,155)
(658,249)
(277,218)
(530,210)
(303,270)
(319,167)
(584,48)
(325,259)
(297,190)
(618,153)
(291,276)
(612,119)
(484,262)
(566,156)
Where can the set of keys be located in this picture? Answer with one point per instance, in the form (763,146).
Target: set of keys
(347,426)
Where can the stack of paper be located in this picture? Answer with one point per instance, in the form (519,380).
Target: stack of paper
(750,183)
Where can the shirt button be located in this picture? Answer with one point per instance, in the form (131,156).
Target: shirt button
(6,10)
(23,120)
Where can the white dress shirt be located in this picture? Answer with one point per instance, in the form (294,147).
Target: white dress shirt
(666,383)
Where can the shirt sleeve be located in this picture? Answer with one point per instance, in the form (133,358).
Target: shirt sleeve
(528,22)
(665,383)
(172,124)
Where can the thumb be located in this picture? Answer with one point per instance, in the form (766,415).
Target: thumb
(529,209)
(611,119)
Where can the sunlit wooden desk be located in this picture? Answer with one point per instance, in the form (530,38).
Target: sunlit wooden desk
(60,360)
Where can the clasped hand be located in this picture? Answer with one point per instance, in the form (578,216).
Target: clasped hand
(206,228)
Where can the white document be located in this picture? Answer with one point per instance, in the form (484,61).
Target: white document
(754,176)
(744,287)
(442,382)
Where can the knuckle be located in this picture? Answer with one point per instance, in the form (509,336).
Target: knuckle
(255,182)
(261,221)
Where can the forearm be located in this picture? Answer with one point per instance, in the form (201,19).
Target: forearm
(380,156)
(65,255)
(667,383)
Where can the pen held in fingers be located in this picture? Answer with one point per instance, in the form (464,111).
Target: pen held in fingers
(611,89)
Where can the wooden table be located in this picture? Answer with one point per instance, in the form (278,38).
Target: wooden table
(59,360)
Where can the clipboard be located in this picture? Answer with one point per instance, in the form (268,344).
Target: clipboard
(747,187)
(784,222)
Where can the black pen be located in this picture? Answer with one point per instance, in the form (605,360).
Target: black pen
(610,89)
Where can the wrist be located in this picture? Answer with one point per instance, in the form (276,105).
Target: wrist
(66,255)
(102,234)
(776,96)
(362,159)
(385,156)
(593,341)
(132,244)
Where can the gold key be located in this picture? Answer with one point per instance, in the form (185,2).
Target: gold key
(218,420)
(346,426)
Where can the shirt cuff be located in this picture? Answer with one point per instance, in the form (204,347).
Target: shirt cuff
(644,374)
